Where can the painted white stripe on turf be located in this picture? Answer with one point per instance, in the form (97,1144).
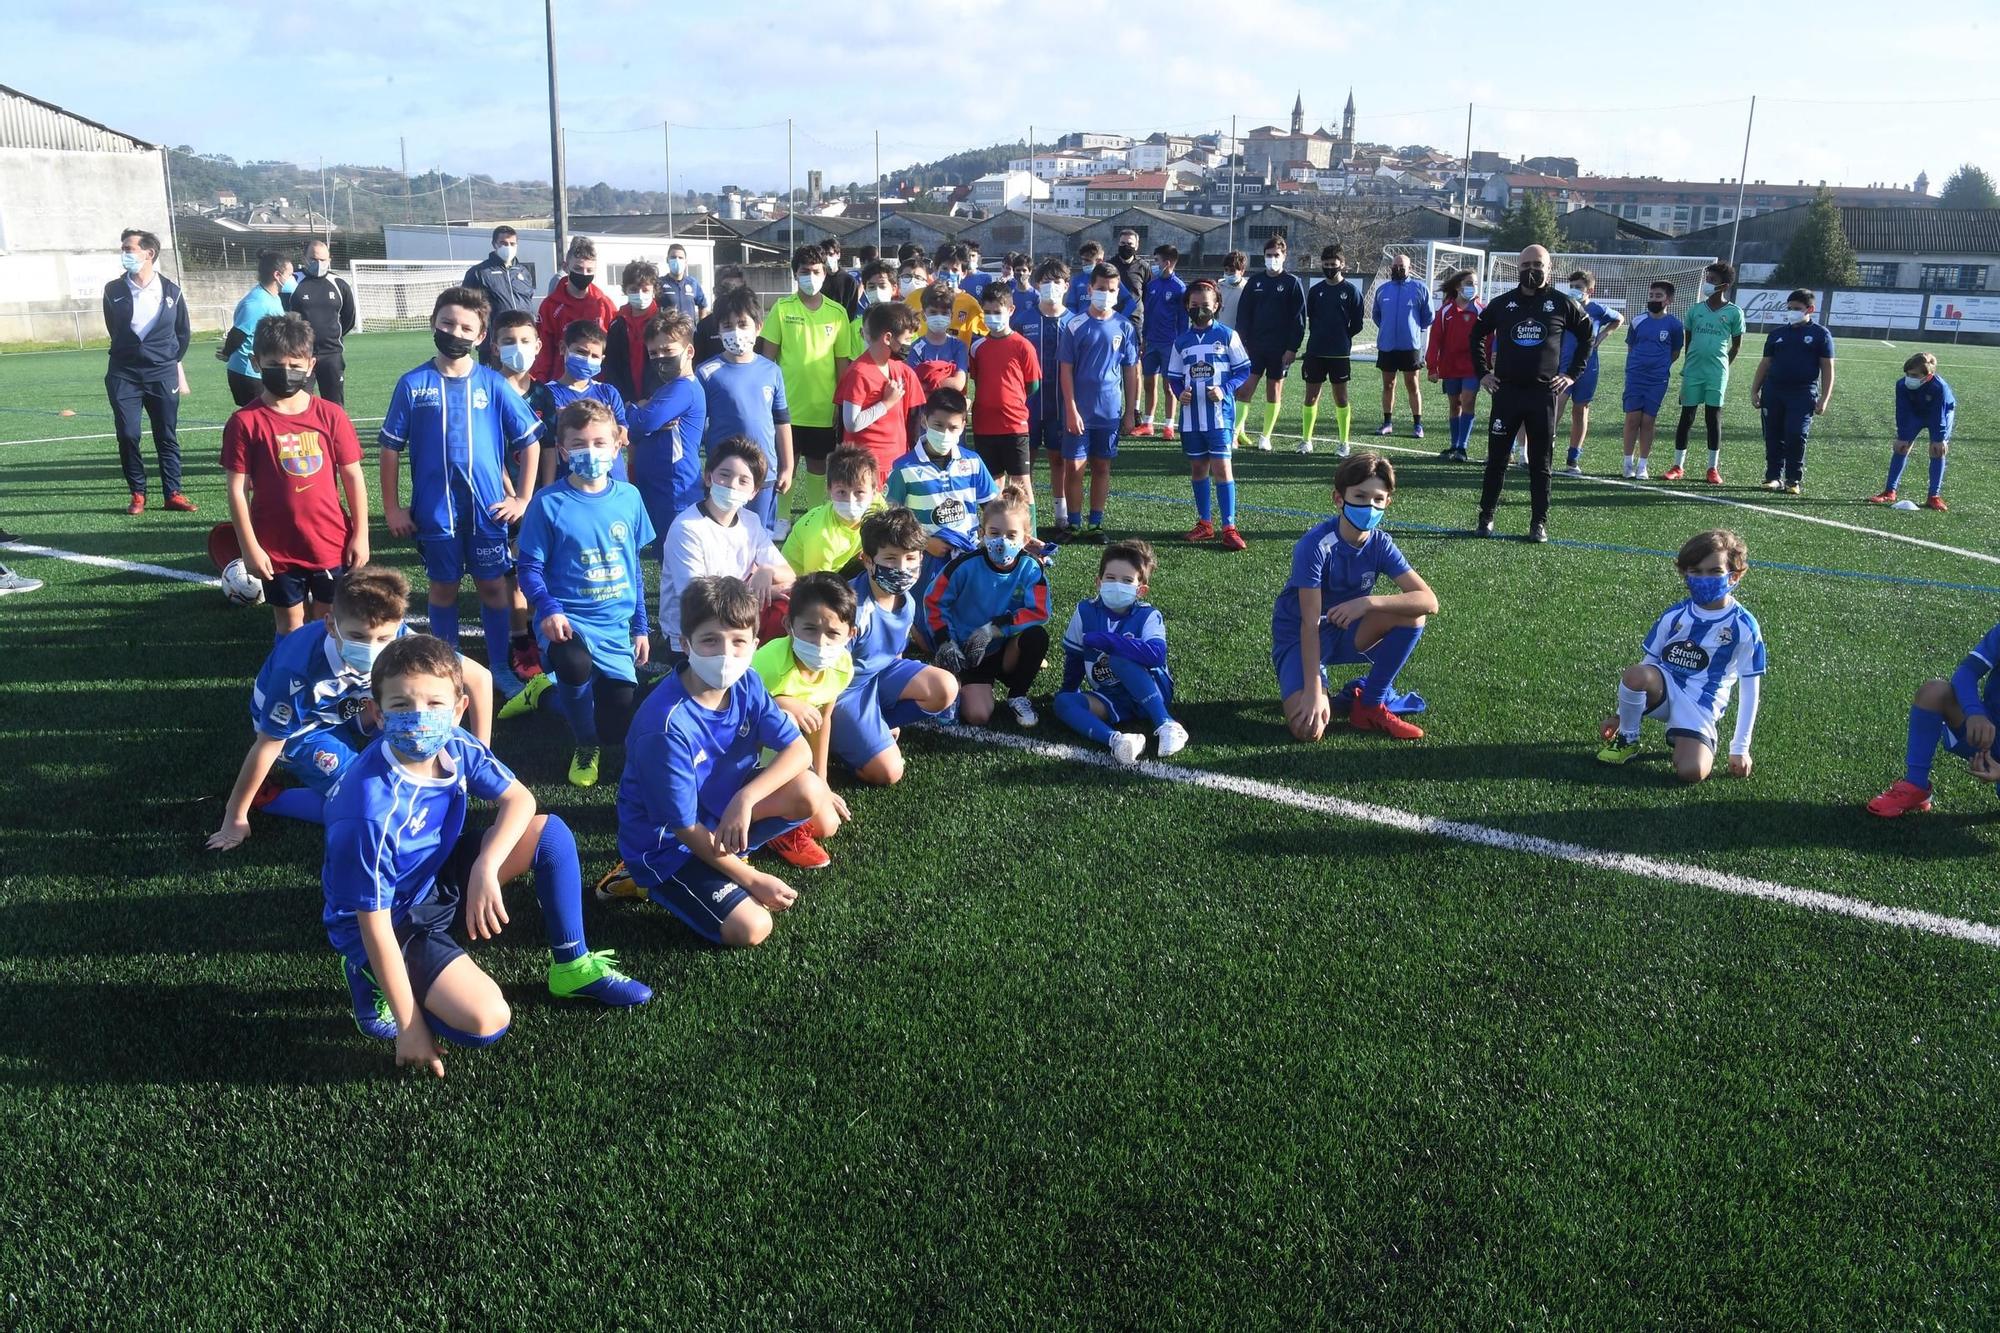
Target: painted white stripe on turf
(112,435)
(1479,835)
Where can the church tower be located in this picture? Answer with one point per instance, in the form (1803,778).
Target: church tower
(1347,122)
(1298,114)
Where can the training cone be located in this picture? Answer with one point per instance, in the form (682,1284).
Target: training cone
(223,546)
(1904,504)
(67,412)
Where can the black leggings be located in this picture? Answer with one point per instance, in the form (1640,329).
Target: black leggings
(1712,419)
(1019,678)
(1528,409)
(614,699)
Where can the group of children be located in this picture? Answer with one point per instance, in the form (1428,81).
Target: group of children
(913,591)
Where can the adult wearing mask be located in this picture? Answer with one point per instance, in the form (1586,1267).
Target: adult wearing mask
(147,320)
(577,296)
(679,290)
(1133,273)
(1402,311)
(274,284)
(327,304)
(842,287)
(508,283)
(1523,379)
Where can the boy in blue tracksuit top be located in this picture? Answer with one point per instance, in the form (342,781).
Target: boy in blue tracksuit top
(666,426)
(986,615)
(1271,321)
(1099,374)
(1115,660)
(1402,311)
(1333,317)
(1653,342)
(1924,402)
(1793,384)
(460,421)
(1166,321)
(1208,366)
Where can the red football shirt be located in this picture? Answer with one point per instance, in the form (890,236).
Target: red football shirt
(560,308)
(294,468)
(888,438)
(1002,370)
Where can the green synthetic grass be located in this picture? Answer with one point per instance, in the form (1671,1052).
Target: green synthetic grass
(1049,1045)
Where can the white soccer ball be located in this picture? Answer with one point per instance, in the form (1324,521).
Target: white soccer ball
(1904,504)
(240,586)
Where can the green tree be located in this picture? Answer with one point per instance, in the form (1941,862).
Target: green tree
(1969,187)
(1531,222)
(1819,255)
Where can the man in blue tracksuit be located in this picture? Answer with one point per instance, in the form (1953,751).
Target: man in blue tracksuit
(1271,321)
(1793,384)
(1402,311)
(508,283)
(147,319)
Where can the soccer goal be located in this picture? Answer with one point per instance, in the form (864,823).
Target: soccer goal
(398,293)
(1431,262)
(1622,280)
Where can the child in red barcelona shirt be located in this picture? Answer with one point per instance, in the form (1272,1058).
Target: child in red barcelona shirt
(879,391)
(290,458)
(1006,372)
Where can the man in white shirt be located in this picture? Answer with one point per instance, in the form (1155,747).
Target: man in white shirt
(146,317)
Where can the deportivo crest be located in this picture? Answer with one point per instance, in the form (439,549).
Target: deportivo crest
(620,531)
(1548,305)
(300,454)
(480,400)
(326,761)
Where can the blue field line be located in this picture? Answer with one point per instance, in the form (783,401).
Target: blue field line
(1610,548)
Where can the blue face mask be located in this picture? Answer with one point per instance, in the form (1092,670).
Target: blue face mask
(130,259)
(516,358)
(288,286)
(360,656)
(419,732)
(895,582)
(1117,596)
(581,367)
(1707,588)
(592,464)
(1365,517)
(1001,551)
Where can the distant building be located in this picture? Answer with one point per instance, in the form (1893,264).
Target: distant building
(1551,166)
(1916,247)
(1156,150)
(1048,234)
(1115,142)
(1057,164)
(1007,189)
(1677,207)
(1267,148)
(1189,233)
(1120,190)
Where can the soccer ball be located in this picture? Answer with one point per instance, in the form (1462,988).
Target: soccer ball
(240,586)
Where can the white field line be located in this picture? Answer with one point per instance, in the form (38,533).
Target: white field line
(112,435)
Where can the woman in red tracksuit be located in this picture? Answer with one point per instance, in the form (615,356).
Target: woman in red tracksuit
(1449,358)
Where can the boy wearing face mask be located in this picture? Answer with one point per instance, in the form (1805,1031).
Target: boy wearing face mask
(579,569)
(1020,285)
(1714,336)
(1652,344)
(625,341)
(807,670)
(809,335)
(987,612)
(1115,660)
(879,393)
(1007,373)
(1042,324)
(576,381)
(747,397)
(941,360)
(513,347)
(1333,317)
(976,279)
(1582,286)
(1924,402)
(942,485)
(290,457)
(1272,323)
(667,425)
(828,538)
(310,707)
(575,296)
(275,282)
(679,289)
(1206,369)
(1100,389)
(1793,384)
(721,535)
(693,802)
(403,871)
(1235,265)
(888,691)
(1166,321)
(968,319)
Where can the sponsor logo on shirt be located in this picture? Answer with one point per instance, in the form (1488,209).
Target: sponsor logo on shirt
(326,761)
(1528,333)
(282,715)
(1685,655)
(418,820)
(620,531)
(479,399)
(425,395)
(300,454)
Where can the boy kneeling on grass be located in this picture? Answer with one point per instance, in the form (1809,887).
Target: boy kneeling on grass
(403,871)
(1957,714)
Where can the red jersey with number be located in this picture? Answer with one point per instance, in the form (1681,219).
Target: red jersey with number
(293,463)
(1002,370)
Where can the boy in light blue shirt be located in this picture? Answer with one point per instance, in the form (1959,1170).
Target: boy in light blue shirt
(275,281)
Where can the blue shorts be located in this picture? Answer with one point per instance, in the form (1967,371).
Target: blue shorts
(426,935)
(1044,436)
(1909,427)
(1335,645)
(860,723)
(1102,685)
(1453,384)
(1645,396)
(695,891)
(294,586)
(318,758)
(1585,387)
(480,552)
(1267,361)
(610,650)
(1207,443)
(1153,361)
(1095,442)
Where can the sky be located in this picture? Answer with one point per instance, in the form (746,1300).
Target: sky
(1846,93)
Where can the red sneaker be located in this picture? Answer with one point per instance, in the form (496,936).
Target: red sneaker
(1713,478)
(1201,532)
(138,505)
(799,848)
(1936,502)
(1232,540)
(1902,799)
(1167,433)
(1673,473)
(1885,498)
(1144,431)
(525,656)
(180,504)
(1374,717)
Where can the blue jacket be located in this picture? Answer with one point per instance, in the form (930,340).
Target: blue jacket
(165,344)
(508,287)
(1402,311)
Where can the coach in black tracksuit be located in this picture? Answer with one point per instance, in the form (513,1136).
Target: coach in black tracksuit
(1524,379)
(326,303)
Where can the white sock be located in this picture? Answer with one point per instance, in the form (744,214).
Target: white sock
(1062,513)
(1631,711)
(1642,473)
(1631,466)
(1680,456)
(1714,459)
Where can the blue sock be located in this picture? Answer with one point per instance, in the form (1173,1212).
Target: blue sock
(1097,518)
(1143,687)
(1461,427)
(1074,710)
(1897,462)
(498,622)
(1386,658)
(904,713)
(1465,426)
(1926,730)
(440,1028)
(1226,492)
(1202,508)
(1937,475)
(1575,456)
(579,707)
(559,889)
(444,623)
(301,803)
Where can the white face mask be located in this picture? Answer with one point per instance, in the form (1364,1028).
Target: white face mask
(1117,596)
(815,657)
(1577,293)
(506,252)
(718,671)
(996,324)
(727,498)
(1274,263)
(937,323)
(1796,316)
(850,511)
(940,442)
(1913,381)
(907,285)
(1051,293)
(1707,290)
(638,300)
(1101,300)
(1232,279)
(808,284)
(881,295)
(738,341)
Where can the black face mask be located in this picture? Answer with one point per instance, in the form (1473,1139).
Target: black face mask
(661,369)
(284,381)
(1531,278)
(1127,251)
(451,344)
(579,283)
(1201,318)
(1333,274)
(1656,307)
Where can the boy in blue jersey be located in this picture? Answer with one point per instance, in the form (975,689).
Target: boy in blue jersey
(310,708)
(1959,714)
(1329,602)
(1333,317)
(1924,402)
(1115,660)
(1793,384)
(1652,344)
(666,426)
(986,615)
(1694,655)
(1207,366)
(887,691)
(1271,321)
(576,381)
(459,422)
(1021,284)
(746,396)
(941,484)
(1582,290)
(693,803)
(580,545)
(1100,389)
(941,359)
(1166,320)
(976,279)
(1088,256)
(1041,322)
(403,871)
(513,350)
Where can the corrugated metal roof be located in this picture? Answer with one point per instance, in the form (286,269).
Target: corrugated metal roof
(29,122)
(1923,230)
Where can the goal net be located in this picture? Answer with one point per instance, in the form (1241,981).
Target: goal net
(1431,262)
(398,293)
(1622,280)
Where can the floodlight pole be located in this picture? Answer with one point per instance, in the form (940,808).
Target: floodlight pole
(1032,178)
(667,128)
(1742,171)
(878,194)
(791,188)
(1229,160)
(557,166)
(1465,177)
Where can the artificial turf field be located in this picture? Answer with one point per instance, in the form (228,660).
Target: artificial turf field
(1048,1044)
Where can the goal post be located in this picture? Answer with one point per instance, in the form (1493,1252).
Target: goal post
(1431,262)
(398,293)
(1622,280)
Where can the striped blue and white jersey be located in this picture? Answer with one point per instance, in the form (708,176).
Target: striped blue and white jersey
(306,686)
(1204,357)
(945,497)
(1704,652)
